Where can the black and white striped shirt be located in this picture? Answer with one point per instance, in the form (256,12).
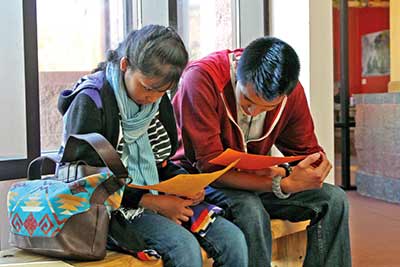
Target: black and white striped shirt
(159,140)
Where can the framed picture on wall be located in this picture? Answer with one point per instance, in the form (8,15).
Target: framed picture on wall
(375,54)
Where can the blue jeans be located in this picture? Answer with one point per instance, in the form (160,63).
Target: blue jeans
(328,234)
(224,241)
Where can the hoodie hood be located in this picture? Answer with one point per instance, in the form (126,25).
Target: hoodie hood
(89,84)
(218,66)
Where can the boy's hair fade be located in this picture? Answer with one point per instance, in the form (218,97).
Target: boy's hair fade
(154,50)
(271,66)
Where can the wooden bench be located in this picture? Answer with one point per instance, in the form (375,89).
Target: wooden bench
(288,250)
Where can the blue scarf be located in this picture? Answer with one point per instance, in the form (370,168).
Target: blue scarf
(137,154)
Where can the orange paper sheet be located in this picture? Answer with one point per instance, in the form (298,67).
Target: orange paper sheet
(187,184)
(251,161)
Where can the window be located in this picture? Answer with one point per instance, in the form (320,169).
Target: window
(73,37)
(12,94)
(20,111)
(205,25)
(53,43)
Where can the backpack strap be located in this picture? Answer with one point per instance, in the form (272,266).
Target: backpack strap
(94,94)
(88,89)
(91,88)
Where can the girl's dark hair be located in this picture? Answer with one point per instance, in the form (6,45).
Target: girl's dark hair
(154,50)
(271,65)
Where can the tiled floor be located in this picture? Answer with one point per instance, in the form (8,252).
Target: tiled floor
(374,226)
(375,232)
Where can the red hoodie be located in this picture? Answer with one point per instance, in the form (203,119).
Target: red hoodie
(206,114)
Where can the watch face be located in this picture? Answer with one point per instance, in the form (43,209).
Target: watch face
(287,167)
(289,170)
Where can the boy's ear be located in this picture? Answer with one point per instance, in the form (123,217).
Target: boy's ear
(123,64)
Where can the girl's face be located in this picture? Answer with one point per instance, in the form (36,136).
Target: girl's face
(140,88)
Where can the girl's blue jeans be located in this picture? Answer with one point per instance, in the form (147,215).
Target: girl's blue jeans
(178,247)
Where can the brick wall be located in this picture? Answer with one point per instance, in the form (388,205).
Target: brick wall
(377,142)
(50,86)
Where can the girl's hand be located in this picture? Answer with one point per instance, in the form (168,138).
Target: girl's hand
(199,197)
(172,207)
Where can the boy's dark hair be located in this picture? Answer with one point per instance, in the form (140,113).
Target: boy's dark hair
(154,50)
(271,65)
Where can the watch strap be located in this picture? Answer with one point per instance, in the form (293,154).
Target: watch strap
(287,167)
(276,188)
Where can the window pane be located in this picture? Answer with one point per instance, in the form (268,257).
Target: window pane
(154,12)
(205,25)
(12,75)
(73,36)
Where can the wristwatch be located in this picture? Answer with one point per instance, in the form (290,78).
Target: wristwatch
(276,188)
(287,167)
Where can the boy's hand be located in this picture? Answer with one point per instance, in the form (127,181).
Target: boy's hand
(305,176)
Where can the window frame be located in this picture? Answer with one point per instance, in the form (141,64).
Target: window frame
(17,168)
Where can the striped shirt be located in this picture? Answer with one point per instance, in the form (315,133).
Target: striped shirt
(159,140)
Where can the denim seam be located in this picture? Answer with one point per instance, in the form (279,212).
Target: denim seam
(320,242)
(300,204)
(318,225)
(212,246)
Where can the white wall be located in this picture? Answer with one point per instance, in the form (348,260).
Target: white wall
(321,75)
(12,88)
(307,26)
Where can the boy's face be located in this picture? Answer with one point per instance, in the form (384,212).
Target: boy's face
(252,104)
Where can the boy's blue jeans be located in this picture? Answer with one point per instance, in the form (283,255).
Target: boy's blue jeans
(328,242)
